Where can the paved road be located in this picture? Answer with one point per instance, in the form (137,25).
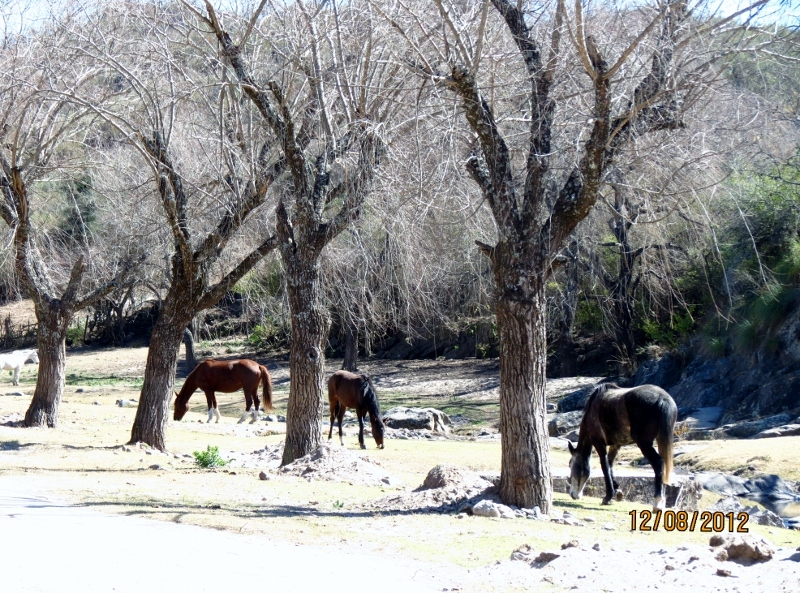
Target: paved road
(49,546)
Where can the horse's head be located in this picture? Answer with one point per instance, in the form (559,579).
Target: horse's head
(180,407)
(377,429)
(578,471)
(34,357)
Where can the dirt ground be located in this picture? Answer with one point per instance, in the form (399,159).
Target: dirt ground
(338,498)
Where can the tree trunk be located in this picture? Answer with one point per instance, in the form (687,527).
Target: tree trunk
(159,375)
(310,325)
(567,359)
(188,342)
(525,466)
(51,347)
(350,349)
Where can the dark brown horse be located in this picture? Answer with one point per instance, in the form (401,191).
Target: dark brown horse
(226,376)
(614,417)
(348,390)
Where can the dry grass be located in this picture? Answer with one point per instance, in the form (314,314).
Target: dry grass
(82,461)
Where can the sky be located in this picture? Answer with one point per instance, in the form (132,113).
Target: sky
(784,11)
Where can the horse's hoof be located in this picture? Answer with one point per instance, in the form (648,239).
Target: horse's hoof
(618,496)
(606,501)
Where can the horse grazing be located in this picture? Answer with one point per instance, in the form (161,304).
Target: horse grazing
(226,376)
(348,390)
(614,417)
(14,361)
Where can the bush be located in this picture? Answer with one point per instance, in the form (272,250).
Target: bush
(209,458)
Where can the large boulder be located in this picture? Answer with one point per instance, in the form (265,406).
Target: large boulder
(575,400)
(786,430)
(770,491)
(417,419)
(562,424)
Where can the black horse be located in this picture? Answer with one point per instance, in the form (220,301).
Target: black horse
(614,417)
(348,390)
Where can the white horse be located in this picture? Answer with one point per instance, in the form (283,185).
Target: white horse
(13,361)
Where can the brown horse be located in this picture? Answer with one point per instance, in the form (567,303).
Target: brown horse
(348,390)
(226,376)
(614,417)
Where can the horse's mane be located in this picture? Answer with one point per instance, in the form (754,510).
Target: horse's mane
(370,398)
(598,392)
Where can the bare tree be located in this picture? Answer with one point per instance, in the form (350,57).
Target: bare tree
(325,112)
(209,168)
(644,89)
(36,126)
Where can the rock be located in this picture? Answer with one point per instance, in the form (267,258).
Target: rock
(263,475)
(721,572)
(96,403)
(281,418)
(18,394)
(770,491)
(664,372)
(446,476)
(417,419)
(743,549)
(701,418)
(127,403)
(561,424)
(609,527)
(786,430)
(270,418)
(570,544)
(684,494)
(596,547)
(546,557)
(576,400)
(743,430)
(524,553)
(551,408)
(486,508)
(506,512)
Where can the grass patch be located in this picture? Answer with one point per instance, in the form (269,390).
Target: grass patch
(103,381)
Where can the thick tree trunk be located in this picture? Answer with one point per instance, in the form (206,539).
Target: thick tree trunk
(350,350)
(310,325)
(162,356)
(51,348)
(525,466)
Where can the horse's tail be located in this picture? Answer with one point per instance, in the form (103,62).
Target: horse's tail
(266,392)
(666,432)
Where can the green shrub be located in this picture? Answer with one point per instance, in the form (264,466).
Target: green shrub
(209,458)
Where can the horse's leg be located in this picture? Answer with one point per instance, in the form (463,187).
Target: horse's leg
(16,375)
(248,402)
(658,468)
(361,414)
(612,455)
(255,404)
(340,417)
(210,402)
(603,455)
(216,407)
(333,417)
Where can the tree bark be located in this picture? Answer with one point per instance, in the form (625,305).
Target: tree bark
(350,349)
(521,323)
(310,324)
(188,343)
(51,347)
(152,414)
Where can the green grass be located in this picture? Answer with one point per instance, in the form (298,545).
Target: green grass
(102,381)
